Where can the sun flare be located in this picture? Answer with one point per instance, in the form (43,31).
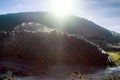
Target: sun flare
(62,8)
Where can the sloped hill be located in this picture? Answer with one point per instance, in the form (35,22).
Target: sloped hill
(51,48)
(70,24)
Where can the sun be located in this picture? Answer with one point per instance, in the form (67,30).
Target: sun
(62,8)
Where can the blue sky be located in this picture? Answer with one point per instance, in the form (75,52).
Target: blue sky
(103,12)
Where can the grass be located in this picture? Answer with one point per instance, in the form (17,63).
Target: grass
(115,56)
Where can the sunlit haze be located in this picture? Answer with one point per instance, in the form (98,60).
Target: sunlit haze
(59,39)
(62,8)
(105,13)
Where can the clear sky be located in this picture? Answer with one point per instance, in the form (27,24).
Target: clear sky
(103,12)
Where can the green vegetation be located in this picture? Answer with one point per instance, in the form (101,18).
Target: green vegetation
(115,56)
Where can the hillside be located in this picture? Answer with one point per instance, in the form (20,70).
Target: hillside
(70,24)
(50,47)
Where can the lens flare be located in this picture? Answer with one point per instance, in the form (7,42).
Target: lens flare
(62,8)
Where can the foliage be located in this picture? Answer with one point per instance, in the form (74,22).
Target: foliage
(115,56)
